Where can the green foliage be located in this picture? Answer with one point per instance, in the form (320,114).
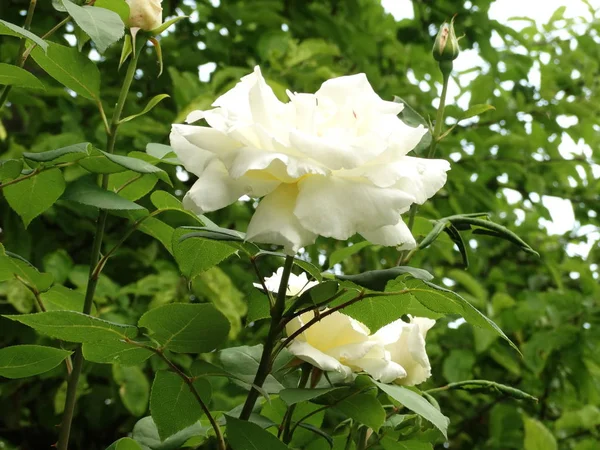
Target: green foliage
(172,403)
(21,361)
(186,328)
(521,128)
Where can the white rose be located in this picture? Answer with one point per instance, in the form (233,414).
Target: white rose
(297,284)
(404,344)
(331,163)
(332,343)
(145,14)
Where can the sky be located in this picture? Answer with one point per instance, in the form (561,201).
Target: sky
(561,210)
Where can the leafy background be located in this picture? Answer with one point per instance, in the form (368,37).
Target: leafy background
(541,140)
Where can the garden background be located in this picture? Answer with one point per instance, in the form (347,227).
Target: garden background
(532,163)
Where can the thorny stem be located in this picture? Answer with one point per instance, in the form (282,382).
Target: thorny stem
(264,366)
(71,397)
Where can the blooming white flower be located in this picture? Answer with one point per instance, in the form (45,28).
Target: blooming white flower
(145,14)
(404,344)
(333,163)
(297,284)
(332,343)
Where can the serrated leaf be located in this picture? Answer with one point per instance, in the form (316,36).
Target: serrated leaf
(103,26)
(151,104)
(10,29)
(197,255)
(115,352)
(185,327)
(86,192)
(65,154)
(413,401)
(21,361)
(297,395)
(131,185)
(34,195)
(12,266)
(376,280)
(125,444)
(75,327)
(244,435)
(119,6)
(172,404)
(70,68)
(363,408)
(60,298)
(10,169)
(146,434)
(138,166)
(96,162)
(15,76)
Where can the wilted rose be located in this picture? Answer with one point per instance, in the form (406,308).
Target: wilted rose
(333,163)
(145,14)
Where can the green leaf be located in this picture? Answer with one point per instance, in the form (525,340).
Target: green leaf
(390,443)
(12,266)
(134,388)
(10,29)
(363,408)
(21,361)
(65,154)
(185,327)
(160,151)
(125,444)
(537,436)
(214,233)
(197,255)
(489,227)
(413,401)
(151,104)
(442,300)
(146,434)
(158,230)
(96,162)
(10,169)
(244,435)
(15,76)
(474,110)
(297,395)
(243,363)
(377,279)
(70,68)
(104,26)
(342,253)
(131,185)
(164,201)
(126,50)
(75,327)
(167,24)
(458,240)
(60,298)
(138,165)
(413,119)
(173,405)
(34,195)
(115,352)
(119,6)
(86,192)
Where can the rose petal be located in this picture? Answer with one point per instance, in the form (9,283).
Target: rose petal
(274,221)
(308,353)
(392,235)
(215,189)
(339,207)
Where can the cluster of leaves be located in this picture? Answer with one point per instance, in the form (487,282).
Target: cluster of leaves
(173,290)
